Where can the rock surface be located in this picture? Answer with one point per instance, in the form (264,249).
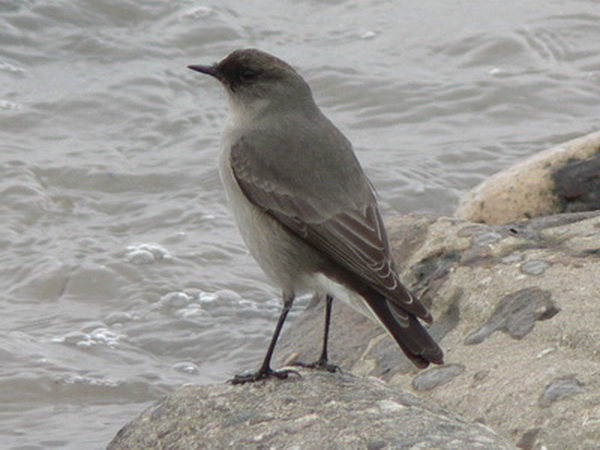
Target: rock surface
(315,411)
(517,311)
(562,179)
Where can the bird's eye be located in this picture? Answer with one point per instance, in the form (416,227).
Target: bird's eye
(248,74)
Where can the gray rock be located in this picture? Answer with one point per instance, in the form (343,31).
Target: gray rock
(315,411)
(516,312)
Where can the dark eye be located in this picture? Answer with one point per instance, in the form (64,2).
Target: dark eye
(248,74)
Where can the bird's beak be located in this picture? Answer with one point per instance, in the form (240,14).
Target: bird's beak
(208,70)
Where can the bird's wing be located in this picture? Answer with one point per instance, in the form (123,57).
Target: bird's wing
(351,235)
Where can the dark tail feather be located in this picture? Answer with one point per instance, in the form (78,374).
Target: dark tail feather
(410,335)
(405,328)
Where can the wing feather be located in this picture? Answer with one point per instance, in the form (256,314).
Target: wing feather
(350,234)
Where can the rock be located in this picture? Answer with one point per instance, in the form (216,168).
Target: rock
(562,179)
(516,310)
(315,411)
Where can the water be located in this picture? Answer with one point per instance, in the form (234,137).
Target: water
(122,275)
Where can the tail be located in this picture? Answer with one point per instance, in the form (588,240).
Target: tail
(407,331)
(403,326)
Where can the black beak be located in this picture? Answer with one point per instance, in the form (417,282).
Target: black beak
(208,70)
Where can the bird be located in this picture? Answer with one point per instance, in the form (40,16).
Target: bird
(305,208)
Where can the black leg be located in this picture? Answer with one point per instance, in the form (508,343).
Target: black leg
(265,370)
(323,361)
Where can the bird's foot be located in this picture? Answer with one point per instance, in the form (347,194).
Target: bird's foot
(320,364)
(262,374)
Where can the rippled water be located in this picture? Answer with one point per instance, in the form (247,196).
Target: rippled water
(122,274)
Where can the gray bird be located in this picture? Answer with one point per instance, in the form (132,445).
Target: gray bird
(305,208)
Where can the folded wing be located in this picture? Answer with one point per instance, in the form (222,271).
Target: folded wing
(353,236)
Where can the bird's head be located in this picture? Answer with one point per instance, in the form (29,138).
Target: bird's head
(254,79)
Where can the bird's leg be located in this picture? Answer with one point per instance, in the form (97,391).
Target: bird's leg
(323,361)
(265,370)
